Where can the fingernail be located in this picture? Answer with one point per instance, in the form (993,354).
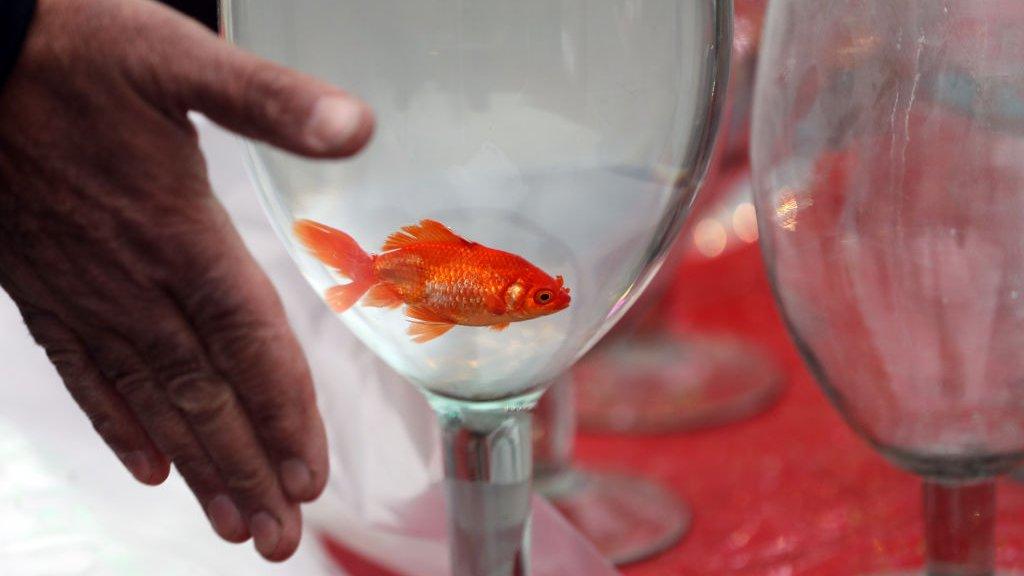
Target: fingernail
(138,464)
(296,478)
(266,531)
(225,517)
(334,121)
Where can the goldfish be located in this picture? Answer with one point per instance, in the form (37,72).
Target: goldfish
(442,279)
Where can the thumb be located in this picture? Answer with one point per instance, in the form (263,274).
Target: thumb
(262,100)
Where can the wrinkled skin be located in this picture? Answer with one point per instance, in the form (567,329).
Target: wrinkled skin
(130,275)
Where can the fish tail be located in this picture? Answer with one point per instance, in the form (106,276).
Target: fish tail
(339,251)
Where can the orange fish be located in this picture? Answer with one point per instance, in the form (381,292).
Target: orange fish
(442,278)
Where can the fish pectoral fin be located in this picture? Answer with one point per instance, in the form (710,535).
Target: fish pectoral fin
(423,314)
(425,324)
(382,296)
(499,327)
(426,331)
(427,231)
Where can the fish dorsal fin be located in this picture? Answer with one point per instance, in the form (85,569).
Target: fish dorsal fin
(426,232)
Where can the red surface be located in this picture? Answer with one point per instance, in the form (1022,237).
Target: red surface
(792,491)
(353,563)
(789,492)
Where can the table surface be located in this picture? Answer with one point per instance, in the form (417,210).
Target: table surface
(792,490)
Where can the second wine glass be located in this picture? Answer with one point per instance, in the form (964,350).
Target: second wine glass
(890,194)
(647,376)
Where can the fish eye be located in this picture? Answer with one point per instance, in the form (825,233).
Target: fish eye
(544,296)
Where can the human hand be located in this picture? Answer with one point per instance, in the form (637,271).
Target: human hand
(129,273)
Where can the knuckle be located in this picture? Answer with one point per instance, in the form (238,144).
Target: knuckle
(40,323)
(280,419)
(250,482)
(199,395)
(209,295)
(129,377)
(65,359)
(168,347)
(133,385)
(70,364)
(196,468)
(111,428)
(61,348)
(119,366)
(264,361)
(237,342)
(187,382)
(175,440)
(266,89)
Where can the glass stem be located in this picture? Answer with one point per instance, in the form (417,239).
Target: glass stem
(554,423)
(960,527)
(487,460)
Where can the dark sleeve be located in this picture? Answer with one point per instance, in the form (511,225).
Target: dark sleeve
(15,16)
(203,10)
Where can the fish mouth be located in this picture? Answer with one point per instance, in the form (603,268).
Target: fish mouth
(566,300)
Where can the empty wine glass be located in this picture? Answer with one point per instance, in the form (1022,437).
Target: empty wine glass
(523,150)
(648,377)
(887,146)
(627,517)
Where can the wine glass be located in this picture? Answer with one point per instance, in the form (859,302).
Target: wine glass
(887,145)
(531,164)
(647,376)
(644,377)
(627,517)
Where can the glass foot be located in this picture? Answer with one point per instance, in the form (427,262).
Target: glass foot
(669,383)
(626,518)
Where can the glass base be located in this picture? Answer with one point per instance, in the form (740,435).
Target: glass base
(671,383)
(627,519)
